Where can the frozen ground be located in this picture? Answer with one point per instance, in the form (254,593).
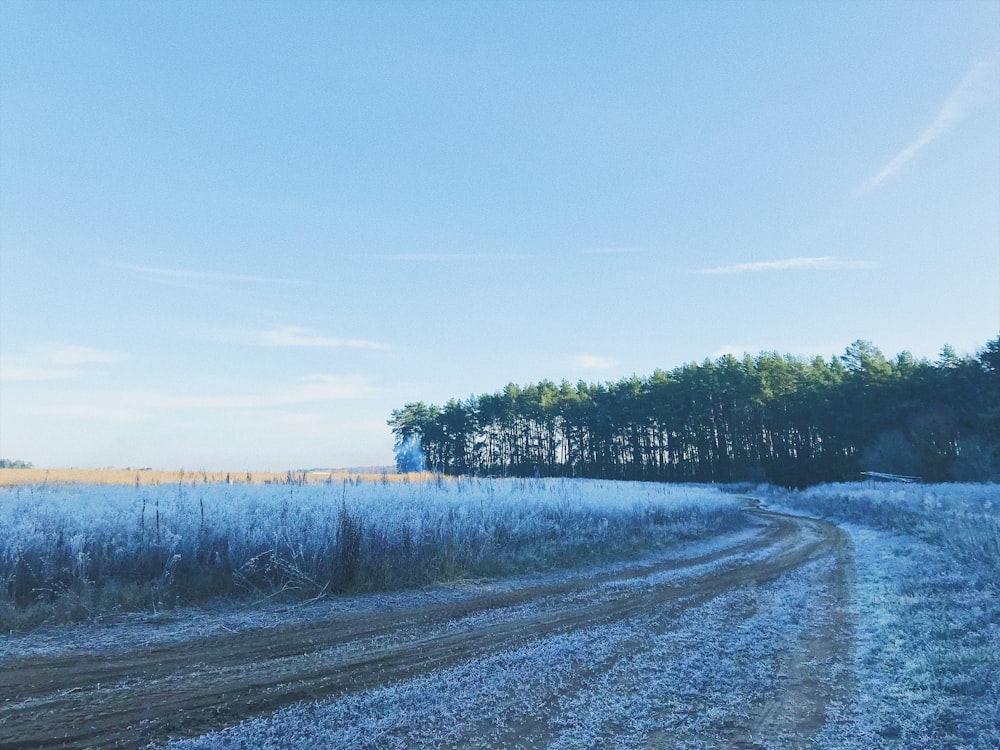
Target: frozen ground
(882,631)
(614,654)
(926,603)
(697,677)
(923,668)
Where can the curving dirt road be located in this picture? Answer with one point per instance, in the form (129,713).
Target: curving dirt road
(135,697)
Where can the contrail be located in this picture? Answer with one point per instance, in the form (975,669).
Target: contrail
(979,87)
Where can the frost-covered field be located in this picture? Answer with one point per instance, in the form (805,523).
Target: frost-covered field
(76,551)
(923,671)
(927,606)
(887,639)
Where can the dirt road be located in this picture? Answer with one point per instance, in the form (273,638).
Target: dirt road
(132,698)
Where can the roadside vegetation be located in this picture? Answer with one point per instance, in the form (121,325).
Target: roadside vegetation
(927,605)
(73,552)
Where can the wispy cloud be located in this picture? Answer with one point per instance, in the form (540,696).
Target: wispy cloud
(189,278)
(594,362)
(293,336)
(73,354)
(149,405)
(89,409)
(305,390)
(979,87)
(445,257)
(610,250)
(56,362)
(11,372)
(432,257)
(825,263)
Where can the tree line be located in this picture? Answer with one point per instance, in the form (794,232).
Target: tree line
(7,463)
(770,417)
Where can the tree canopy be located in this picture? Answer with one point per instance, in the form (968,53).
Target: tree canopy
(769,417)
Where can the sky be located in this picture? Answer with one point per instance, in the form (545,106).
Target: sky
(237,235)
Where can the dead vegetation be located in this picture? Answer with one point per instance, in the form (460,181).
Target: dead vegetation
(146,477)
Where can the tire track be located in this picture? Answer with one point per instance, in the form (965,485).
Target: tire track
(815,672)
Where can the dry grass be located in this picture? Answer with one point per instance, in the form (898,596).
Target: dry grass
(16,477)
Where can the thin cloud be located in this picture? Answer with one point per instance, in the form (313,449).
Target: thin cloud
(594,362)
(825,263)
(56,362)
(429,257)
(610,250)
(86,411)
(187,278)
(978,88)
(445,257)
(148,405)
(293,336)
(82,355)
(14,373)
(305,390)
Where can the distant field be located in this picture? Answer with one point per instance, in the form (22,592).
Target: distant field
(138,477)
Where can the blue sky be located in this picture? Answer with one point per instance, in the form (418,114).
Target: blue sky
(237,235)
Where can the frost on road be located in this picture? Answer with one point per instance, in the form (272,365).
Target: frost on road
(741,642)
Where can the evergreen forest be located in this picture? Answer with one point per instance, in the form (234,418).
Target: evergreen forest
(766,418)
